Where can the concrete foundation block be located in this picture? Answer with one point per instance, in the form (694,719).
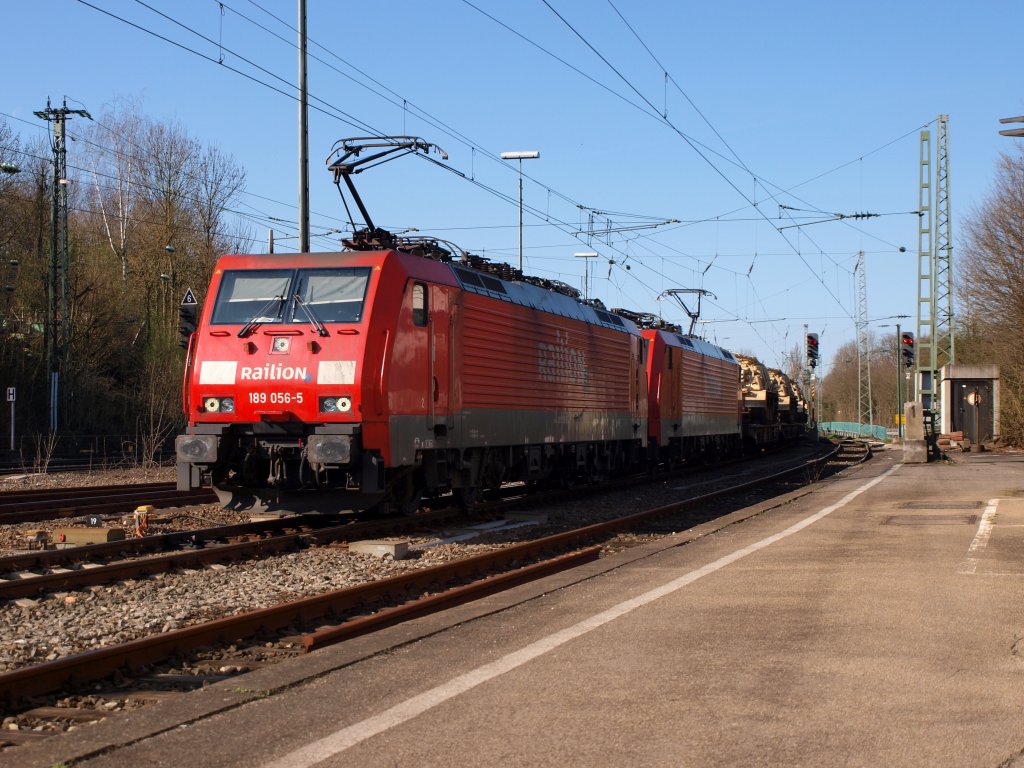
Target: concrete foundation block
(915,452)
(397,550)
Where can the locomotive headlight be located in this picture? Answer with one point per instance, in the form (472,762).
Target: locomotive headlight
(335,404)
(219,404)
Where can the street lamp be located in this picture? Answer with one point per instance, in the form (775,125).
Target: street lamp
(9,168)
(520,156)
(586,270)
(1017,133)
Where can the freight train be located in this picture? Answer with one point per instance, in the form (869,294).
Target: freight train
(397,370)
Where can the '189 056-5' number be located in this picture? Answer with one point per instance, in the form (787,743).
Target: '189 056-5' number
(275,398)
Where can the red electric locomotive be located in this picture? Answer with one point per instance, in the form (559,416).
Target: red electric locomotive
(694,400)
(695,407)
(382,375)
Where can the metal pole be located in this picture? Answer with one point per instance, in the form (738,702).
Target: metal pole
(303,136)
(899,383)
(12,426)
(520,214)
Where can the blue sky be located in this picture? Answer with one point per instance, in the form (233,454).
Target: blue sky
(809,105)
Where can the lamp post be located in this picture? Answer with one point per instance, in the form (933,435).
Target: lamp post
(10,169)
(520,156)
(586,270)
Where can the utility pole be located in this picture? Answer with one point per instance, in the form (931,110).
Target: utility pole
(899,382)
(57,311)
(303,136)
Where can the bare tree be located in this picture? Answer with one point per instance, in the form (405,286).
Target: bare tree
(991,288)
(220,180)
(114,145)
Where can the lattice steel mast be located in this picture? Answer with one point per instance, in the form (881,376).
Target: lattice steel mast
(935,275)
(944,343)
(863,345)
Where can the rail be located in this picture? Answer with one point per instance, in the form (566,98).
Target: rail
(551,551)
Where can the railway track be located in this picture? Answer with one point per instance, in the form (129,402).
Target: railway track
(93,564)
(33,572)
(347,612)
(49,504)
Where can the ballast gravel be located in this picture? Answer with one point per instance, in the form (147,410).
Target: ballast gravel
(65,623)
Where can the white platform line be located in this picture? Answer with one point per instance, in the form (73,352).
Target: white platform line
(988,518)
(347,737)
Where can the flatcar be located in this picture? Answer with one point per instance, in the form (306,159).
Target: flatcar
(791,407)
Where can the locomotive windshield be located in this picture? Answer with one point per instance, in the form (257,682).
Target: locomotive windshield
(335,295)
(259,296)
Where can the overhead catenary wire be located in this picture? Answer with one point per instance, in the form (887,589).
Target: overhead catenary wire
(542,215)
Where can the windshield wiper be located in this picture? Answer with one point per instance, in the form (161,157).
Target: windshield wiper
(320,329)
(249,327)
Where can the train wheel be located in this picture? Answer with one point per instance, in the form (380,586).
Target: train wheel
(466,497)
(404,495)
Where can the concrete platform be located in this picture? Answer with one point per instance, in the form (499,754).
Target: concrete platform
(875,621)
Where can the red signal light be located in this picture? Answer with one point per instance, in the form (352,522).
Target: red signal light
(907,348)
(812,349)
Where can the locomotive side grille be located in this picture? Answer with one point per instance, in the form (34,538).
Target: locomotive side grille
(551,363)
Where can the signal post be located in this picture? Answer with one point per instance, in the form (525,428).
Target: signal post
(907,356)
(811,353)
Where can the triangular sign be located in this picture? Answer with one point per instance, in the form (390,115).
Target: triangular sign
(189,298)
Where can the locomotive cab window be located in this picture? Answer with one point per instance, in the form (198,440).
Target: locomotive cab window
(419,305)
(256,295)
(331,295)
(334,295)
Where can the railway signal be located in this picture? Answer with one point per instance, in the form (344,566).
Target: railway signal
(812,350)
(188,318)
(907,348)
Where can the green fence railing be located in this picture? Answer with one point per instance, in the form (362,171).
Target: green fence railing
(852,429)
